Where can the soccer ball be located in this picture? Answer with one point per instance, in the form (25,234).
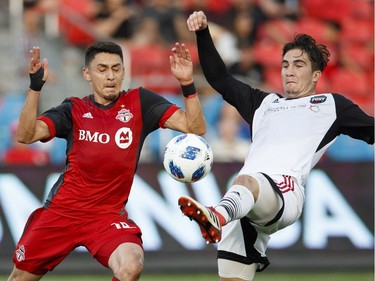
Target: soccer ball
(188,158)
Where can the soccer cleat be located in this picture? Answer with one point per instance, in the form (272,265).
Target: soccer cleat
(206,217)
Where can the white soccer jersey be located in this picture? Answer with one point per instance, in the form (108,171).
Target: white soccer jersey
(288,134)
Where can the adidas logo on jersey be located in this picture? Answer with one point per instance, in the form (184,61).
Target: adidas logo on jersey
(87,115)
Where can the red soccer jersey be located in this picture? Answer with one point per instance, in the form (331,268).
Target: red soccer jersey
(103,148)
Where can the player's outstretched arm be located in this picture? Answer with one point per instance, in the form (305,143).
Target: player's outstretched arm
(29,128)
(190,120)
(212,64)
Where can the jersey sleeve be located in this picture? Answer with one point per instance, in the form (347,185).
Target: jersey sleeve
(58,120)
(243,97)
(353,121)
(155,109)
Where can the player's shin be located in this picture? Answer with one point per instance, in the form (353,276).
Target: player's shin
(236,203)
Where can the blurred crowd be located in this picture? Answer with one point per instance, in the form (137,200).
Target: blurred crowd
(249,35)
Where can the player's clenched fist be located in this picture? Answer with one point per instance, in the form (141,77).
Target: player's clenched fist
(197,21)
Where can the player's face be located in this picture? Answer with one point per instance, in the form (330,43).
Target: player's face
(297,76)
(105,74)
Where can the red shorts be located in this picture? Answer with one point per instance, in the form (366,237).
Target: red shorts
(48,238)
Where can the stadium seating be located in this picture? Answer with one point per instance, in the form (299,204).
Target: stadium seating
(350,150)
(10,108)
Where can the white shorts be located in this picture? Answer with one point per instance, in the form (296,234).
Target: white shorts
(245,240)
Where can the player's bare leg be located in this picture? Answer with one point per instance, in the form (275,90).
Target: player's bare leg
(21,275)
(126,262)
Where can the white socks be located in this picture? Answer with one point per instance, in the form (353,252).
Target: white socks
(236,203)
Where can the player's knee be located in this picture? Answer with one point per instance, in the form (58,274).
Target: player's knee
(268,204)
(20,275)
(249,182)
(130,271)
(126,262)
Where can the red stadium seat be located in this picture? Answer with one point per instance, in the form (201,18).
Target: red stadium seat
(75,17)
(150,67)
(277,30)
(362,9)
(320,30)
(353,84)
(356,30)
(332,10)
(360,54)
(268,53)
(272,77)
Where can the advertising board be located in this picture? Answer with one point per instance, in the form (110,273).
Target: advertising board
(335,230)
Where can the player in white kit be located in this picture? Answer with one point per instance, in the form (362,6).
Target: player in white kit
(289,133)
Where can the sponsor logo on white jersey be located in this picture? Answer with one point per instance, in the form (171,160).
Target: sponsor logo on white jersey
(314,108)
(318,99)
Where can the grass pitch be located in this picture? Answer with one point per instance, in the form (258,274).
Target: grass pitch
(300,276)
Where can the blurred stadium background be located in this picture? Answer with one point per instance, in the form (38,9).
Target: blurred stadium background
(337,229)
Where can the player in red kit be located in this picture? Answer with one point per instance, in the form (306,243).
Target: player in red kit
(105,132)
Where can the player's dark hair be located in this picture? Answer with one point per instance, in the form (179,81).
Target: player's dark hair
(102,47)
(318,53)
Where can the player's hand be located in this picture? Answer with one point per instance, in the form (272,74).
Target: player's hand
(38,69)
(181,64)
(35,62)
(197,21)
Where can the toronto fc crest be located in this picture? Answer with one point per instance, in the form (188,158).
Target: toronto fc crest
(20,253)
(124,115)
